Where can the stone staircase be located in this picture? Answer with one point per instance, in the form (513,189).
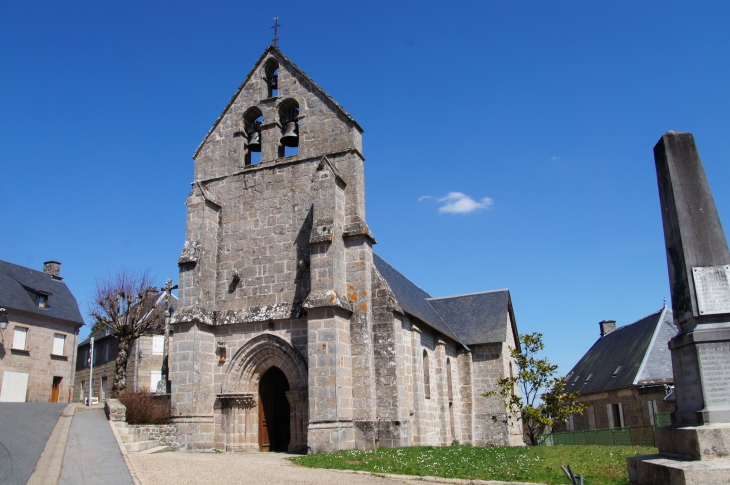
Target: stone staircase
(136,440)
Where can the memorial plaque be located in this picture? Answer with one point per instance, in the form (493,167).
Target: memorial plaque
(715,361)
(712,286)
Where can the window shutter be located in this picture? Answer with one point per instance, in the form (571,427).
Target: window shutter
(652,421)
(19,338)
(155,377)
(58,341)
(158,345)
(621,414)
(609,411)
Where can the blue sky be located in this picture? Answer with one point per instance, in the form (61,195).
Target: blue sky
(508,144)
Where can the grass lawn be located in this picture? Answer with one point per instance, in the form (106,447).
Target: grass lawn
(600,465)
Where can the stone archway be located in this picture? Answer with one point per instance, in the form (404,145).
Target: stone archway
(239,394)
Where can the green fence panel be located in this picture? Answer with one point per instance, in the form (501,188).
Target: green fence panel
(640,435)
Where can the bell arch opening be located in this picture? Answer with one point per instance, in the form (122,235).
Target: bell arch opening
(289,120)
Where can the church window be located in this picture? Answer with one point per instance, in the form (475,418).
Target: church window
(289,119)
(426,376)
(271,75)
(252,121)
(448,380)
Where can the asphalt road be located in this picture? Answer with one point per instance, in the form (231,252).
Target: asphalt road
(24,430)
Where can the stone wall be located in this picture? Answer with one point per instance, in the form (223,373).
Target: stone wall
(37,358)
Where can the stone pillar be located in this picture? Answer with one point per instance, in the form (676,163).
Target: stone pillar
(298,401)
(193,354)
(699,276)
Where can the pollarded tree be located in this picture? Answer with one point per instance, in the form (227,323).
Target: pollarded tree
(125,304)
(543,401)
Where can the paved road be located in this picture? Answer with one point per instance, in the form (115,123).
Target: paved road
(92,454)
(24,430)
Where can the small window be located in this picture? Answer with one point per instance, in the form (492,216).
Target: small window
(426,376)
(567,378)
(42,301)
(576,379)
(616,371)
(158,345)
(589,377)
(449,383)
(155,377)
(19,338)
(58,344)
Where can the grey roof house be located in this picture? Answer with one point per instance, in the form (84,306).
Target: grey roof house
(626,374)
(41,320)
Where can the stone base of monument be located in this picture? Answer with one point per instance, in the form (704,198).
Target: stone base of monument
(689,455)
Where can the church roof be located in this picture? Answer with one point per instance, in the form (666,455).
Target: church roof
(294,67)
(478,318)
(19,287)
(640,349)
(468,319)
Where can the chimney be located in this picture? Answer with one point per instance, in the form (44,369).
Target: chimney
(53,268)
(607,326)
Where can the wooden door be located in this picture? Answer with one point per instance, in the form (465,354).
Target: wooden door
(273,411)
(264,444)
(55,389)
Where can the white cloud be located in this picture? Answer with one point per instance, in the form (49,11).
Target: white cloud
(554,158)
(458,203)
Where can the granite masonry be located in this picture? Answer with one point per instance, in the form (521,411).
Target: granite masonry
(291,334)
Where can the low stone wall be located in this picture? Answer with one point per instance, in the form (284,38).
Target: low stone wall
(166,434)
(115,410)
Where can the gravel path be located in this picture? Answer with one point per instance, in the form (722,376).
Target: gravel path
(175,468)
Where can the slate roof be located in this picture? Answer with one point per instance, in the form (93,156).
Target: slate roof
(468,319)
(19,285)
(478,318)
(296,69)
(640,348)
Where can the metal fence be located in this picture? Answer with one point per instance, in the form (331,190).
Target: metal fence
(638,436)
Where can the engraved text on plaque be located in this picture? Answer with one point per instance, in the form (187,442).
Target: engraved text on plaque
(712,286)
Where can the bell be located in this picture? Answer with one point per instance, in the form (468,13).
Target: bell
(274,81)
(291,135)
(254,141)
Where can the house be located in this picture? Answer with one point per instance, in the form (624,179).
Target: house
(291,334)
(41,321)
(626,375)
(144,365)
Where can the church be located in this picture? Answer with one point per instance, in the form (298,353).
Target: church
(291,334)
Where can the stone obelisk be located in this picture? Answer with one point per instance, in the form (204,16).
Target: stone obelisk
(696,448)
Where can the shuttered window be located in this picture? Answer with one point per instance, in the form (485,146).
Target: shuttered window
(19,338)
(158,345)
(155,377)
(58,343)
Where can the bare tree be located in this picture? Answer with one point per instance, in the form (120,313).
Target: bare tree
(125,304)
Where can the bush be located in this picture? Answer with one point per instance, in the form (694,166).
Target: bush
(144,408)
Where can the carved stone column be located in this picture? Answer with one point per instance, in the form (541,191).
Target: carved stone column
(298,420)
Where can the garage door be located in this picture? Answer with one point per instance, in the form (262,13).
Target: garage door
(14,386)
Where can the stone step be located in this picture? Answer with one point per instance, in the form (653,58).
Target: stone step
(157,449)
(139,446)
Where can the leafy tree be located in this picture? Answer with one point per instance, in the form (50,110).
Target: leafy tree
(535,395)
(125,304)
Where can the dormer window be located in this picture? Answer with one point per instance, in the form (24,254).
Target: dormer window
(252,121)
(42,300)
(271,75)
(289,119)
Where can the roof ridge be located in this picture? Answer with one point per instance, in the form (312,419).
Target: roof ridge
(466,294)
(632,323)
(649,347)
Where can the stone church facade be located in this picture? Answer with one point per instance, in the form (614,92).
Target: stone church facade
(291,334)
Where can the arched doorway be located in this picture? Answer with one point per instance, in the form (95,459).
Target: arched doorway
(274,411)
